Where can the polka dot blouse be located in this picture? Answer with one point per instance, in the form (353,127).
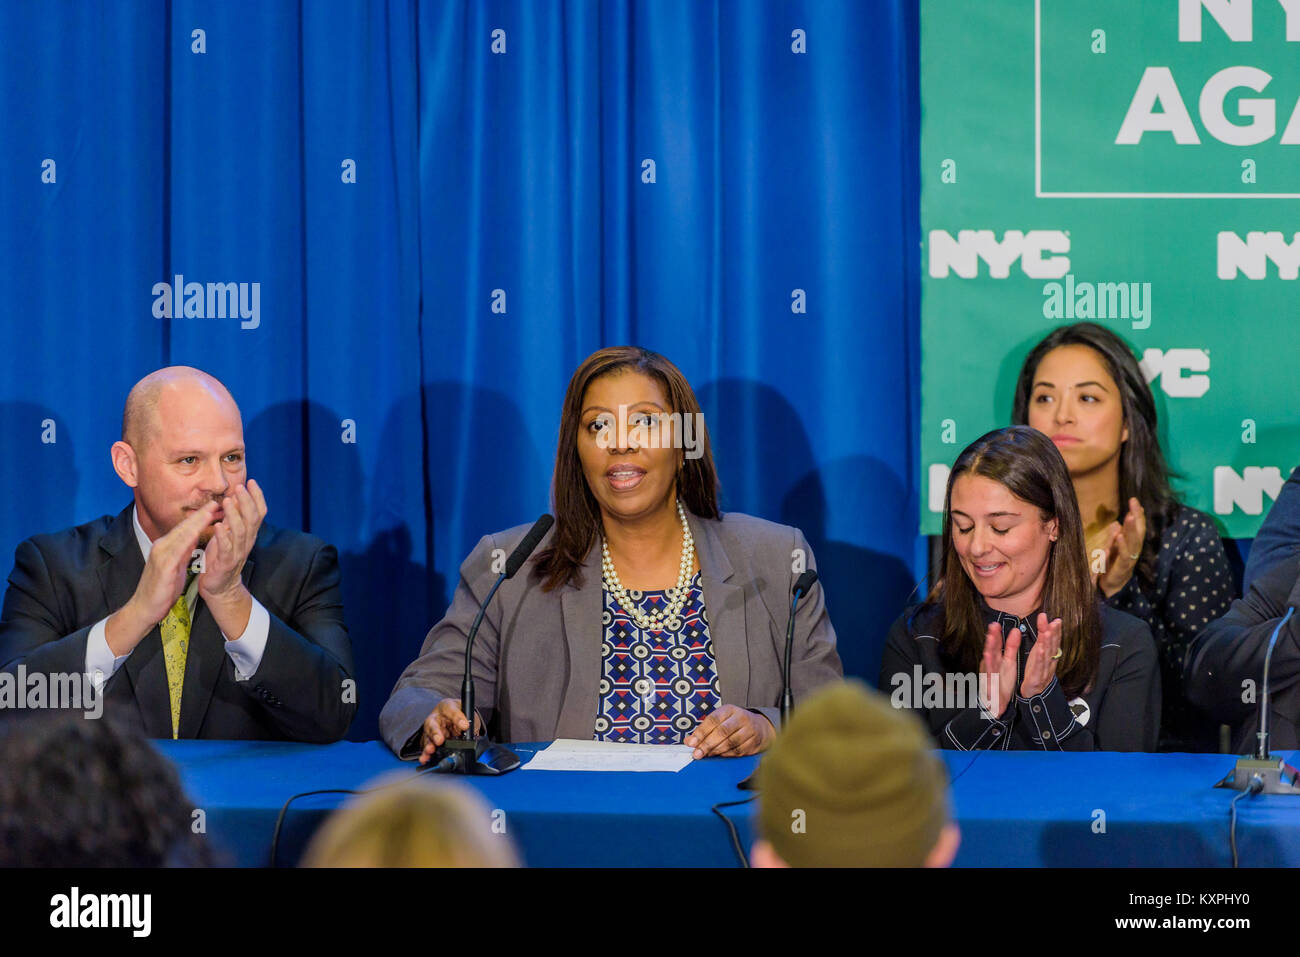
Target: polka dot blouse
(1193,586)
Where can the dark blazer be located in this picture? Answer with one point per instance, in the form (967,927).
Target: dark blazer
(537,659)
(65,582)
(1119,711)
(1230,653)
(1279,536)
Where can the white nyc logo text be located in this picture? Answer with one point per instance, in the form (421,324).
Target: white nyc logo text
(962,255)
(1247,490)
(1252,255)
(1169,367)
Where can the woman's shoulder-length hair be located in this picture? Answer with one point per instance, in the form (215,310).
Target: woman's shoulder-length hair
(577,515)
(1028,465)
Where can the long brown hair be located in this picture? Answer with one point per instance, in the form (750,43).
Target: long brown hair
(577,516)
(1028,465)
(1143,473)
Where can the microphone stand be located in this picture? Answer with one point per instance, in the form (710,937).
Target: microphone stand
(801,588)
(1262,773)
(471,753)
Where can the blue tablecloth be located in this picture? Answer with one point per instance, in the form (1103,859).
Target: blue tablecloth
(1022,809)
(1015,809)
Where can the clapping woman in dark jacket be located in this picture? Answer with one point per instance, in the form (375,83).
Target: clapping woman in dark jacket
(1013,648)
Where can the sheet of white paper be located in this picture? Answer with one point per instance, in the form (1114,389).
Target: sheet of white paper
(568,754)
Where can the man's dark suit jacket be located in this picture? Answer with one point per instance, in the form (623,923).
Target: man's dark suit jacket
(65,582)
(1231,652)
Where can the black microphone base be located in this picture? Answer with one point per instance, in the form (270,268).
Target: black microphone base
(476,756)
(1278,776)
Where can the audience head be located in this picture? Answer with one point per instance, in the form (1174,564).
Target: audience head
(410,821)
(1013,539)
(182,446)
(88,793)
(852,782)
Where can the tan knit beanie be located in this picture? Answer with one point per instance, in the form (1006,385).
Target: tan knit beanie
(852,782)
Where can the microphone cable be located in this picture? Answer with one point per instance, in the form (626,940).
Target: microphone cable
(970,764)
(284,809)
(1256,785)
(731,826)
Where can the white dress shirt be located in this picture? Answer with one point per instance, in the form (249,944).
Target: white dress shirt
(245,651)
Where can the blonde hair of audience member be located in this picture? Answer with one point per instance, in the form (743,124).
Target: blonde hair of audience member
(414,823)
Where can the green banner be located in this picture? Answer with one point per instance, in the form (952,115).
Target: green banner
(1131,162)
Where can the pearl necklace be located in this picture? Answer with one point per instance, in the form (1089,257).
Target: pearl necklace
(656,619)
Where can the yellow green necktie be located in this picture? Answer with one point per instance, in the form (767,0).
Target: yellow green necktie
(176,641)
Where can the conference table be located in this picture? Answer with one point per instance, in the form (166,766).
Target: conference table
(1017,809)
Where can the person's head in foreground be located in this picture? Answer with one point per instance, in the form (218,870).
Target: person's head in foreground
(1012,539)
(412,822)
(79,793)
(852,782)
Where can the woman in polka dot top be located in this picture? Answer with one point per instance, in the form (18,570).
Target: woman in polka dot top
(1150,555)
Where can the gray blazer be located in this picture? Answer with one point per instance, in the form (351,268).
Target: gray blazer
(537,660)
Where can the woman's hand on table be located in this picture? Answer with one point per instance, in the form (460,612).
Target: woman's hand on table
(445,721)
(731,732)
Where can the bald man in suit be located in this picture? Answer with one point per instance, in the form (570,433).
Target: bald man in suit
(198,618)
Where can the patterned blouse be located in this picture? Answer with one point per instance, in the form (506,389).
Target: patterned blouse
(1193,587)
(656,686)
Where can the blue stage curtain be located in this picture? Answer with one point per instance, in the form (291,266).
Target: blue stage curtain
(445,206)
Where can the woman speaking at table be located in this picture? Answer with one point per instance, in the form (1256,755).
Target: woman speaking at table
(1013,648)
(645,615)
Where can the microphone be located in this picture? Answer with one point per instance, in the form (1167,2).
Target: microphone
(475,754)
(1264,773)
(525,548)
(801,588)
(1261,748)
